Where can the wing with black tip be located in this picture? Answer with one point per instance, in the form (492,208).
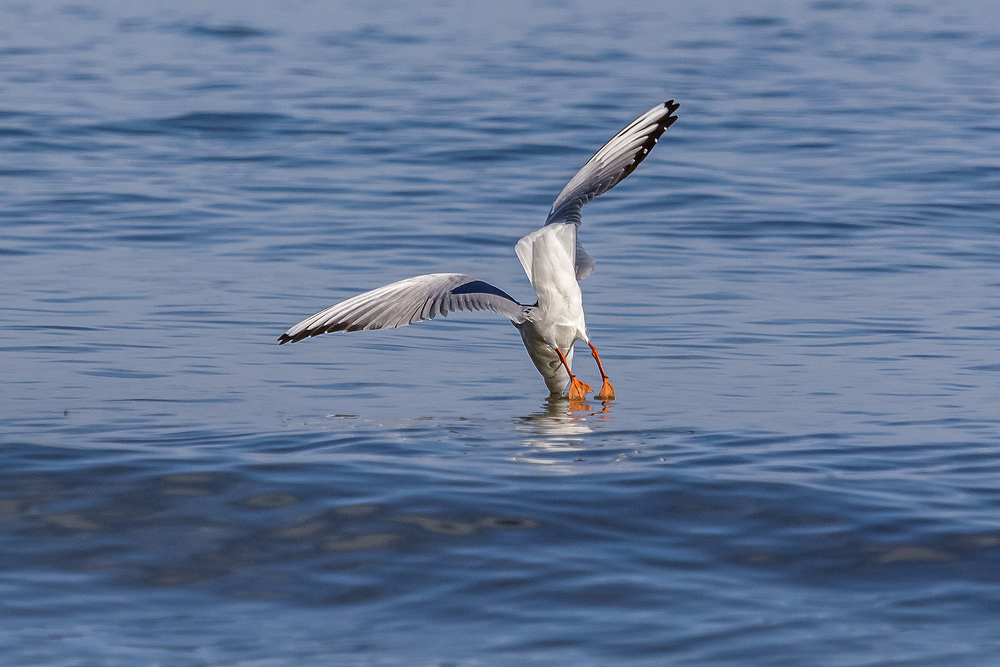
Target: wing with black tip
(607,168)
(408,301)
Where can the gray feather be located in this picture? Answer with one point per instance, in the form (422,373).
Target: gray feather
(612,163)
(407,301)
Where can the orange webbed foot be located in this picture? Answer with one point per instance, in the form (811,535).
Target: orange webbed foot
(578,390)
(607,391)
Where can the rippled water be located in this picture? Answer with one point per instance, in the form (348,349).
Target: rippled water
(796,296)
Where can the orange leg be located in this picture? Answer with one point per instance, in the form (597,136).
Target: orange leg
(577,389)
(607,391)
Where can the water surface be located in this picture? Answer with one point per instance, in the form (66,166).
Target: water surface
(796,296)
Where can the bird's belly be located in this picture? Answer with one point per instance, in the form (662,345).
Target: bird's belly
(545,358)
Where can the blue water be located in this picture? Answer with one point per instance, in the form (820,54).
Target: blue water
(797,297)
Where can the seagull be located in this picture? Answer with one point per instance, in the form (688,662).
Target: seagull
(552,257)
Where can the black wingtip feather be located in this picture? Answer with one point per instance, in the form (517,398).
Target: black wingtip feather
(654,136)
(302,335)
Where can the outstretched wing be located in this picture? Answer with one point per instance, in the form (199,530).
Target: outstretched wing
(405,302)
(607,168)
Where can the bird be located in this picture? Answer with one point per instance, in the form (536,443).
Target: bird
(552,257)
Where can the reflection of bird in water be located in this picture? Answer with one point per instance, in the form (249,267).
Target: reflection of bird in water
(559,426)
(551,256)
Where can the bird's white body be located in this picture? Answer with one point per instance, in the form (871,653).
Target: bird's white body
(551,256)
(548,256)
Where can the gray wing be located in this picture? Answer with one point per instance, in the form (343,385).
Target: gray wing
(405,302)
(607,168)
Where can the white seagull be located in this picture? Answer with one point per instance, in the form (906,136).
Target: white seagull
(551,256)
